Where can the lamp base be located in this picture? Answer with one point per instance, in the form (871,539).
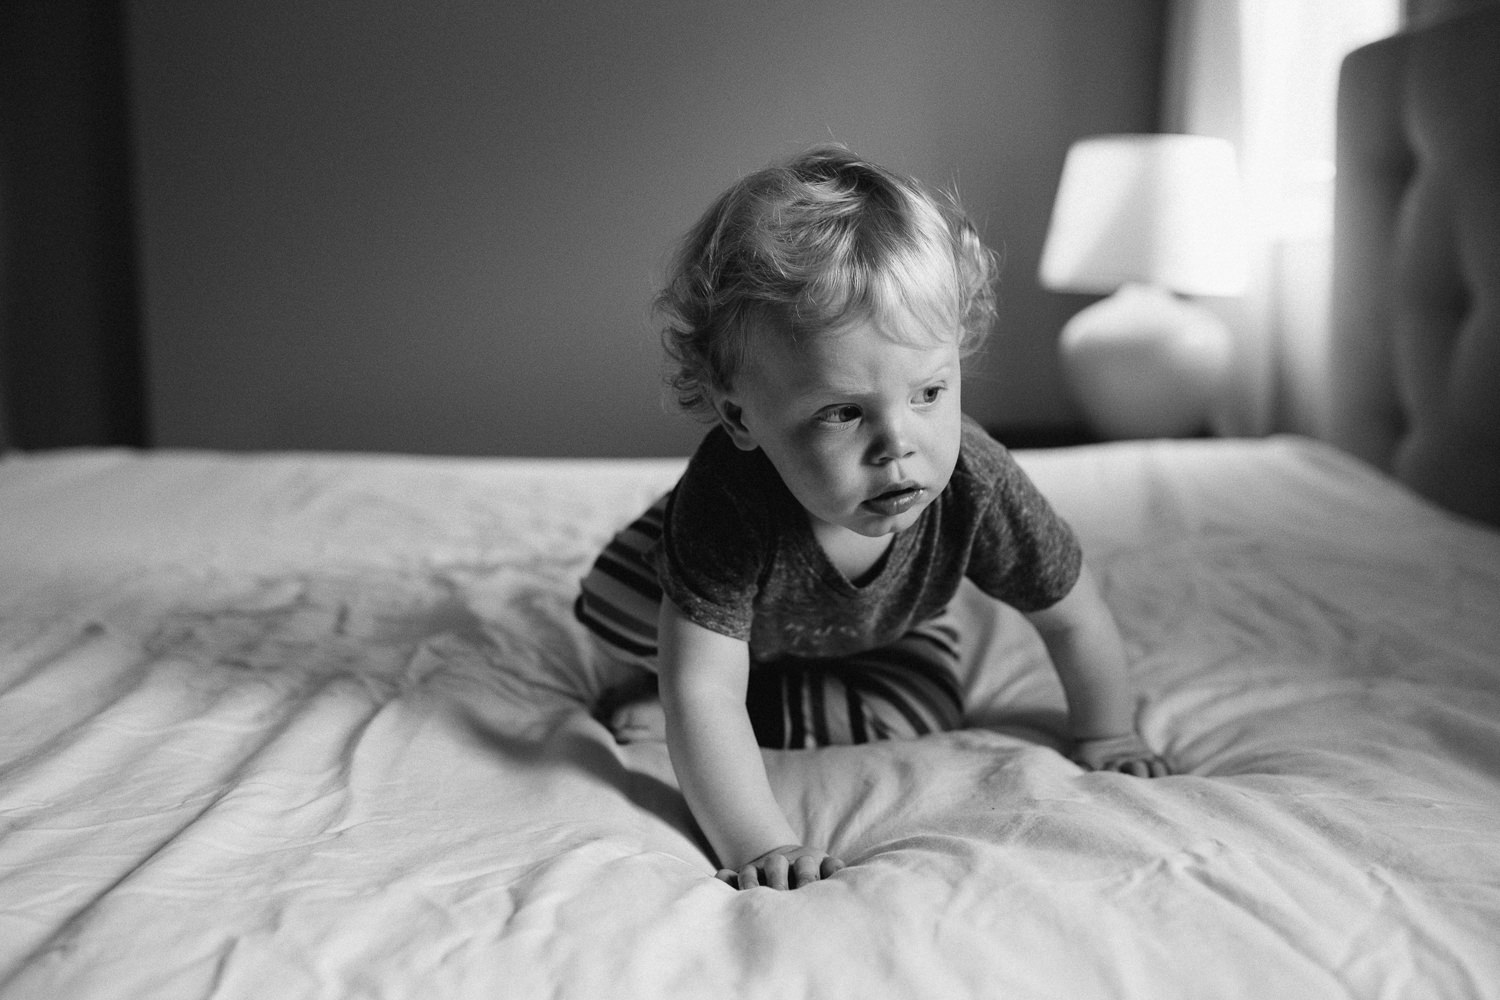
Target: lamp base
(1144,363)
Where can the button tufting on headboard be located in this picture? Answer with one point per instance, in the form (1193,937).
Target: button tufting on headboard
(1415,355)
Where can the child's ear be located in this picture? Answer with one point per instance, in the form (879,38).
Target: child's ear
(732,419)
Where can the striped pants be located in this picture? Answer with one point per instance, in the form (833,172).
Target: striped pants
(906,689)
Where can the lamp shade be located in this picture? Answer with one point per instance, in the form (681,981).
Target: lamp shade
(1163,210)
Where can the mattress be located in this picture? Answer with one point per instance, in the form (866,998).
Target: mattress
(306,725)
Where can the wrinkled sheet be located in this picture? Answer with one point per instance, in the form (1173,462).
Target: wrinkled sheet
(316,726)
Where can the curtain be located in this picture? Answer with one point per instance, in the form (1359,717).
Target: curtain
(1263,74)
(71,361)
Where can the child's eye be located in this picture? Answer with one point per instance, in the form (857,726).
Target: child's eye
(838,414)
(931,394)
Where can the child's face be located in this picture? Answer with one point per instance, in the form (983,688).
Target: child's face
(864,429)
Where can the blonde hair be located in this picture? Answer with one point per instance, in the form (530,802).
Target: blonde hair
(811,246)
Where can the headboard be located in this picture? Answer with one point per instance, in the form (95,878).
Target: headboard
(1415,351)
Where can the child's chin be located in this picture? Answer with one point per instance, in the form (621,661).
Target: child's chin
(879,527)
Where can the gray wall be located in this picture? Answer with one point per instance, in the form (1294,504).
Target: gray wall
(436,227)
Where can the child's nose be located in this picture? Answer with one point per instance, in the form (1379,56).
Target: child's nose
(893,442)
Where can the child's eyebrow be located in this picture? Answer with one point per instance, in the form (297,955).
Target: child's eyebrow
(945,369)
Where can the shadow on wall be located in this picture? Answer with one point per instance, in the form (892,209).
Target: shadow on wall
(1416,13)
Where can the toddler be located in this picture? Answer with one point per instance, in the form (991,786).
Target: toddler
(792,589)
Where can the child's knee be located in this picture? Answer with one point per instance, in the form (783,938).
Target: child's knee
(885,694)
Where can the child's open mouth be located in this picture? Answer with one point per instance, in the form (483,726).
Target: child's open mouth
(895,501)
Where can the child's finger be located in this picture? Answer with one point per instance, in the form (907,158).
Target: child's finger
(830,867)
(776,869)
(1146,767)
(804,871)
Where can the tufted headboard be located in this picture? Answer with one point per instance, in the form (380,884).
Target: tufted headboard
(1415,351)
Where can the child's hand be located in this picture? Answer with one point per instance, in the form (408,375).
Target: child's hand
(1126,754)
(790,866)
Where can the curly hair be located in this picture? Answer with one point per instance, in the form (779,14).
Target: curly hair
(811,246)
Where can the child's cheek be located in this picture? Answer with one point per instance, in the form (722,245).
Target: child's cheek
(819,447)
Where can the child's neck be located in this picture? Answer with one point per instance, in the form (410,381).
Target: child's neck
(852,554)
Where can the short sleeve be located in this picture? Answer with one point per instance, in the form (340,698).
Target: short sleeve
(1023,552)
(715,541)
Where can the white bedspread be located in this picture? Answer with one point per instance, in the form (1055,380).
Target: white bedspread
(314,726)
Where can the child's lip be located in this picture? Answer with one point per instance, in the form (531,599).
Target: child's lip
(897,500)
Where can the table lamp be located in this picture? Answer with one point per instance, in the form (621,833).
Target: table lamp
(1149,218)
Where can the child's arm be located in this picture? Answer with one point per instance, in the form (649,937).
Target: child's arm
(714,752)
(1085,646)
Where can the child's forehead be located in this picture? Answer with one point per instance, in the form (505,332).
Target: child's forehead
(900,331)
(846,354)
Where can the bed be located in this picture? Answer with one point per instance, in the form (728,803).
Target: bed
(317,725)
